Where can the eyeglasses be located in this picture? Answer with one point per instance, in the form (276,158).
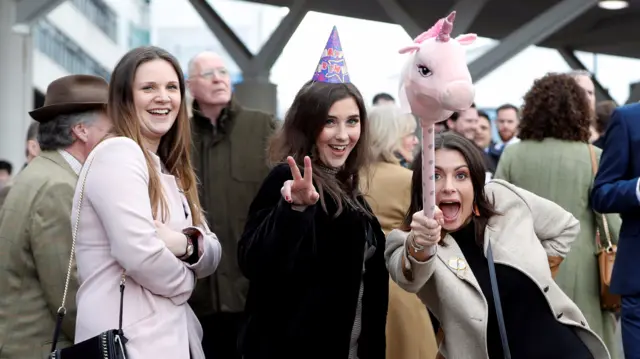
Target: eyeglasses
(217,72)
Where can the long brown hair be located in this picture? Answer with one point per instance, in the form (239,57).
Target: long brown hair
(175,146)
(472,155)
(303,124)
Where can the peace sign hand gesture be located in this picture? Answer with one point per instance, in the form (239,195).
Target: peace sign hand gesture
(300,190)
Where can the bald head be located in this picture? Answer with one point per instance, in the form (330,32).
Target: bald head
(209,81)
(195,64)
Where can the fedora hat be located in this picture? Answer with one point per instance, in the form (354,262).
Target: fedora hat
(71,94)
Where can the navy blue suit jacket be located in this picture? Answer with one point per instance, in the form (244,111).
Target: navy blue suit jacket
(614,191)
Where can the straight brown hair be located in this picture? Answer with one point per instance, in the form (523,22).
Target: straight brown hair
(303,124)
(175,146)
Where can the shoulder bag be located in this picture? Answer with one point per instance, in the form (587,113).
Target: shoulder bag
(606,254)
(107,345)
(496,302)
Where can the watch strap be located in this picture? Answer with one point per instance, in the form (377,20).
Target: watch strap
(188,248)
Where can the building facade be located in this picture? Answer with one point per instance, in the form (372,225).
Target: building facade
(42,40)
(86,37)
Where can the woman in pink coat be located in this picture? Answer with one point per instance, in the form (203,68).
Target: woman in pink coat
(140,216)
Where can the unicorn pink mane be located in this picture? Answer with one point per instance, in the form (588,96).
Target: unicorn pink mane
(441,30)
(429,34)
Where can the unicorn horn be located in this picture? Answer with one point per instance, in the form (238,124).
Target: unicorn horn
(447,27)
(451,18)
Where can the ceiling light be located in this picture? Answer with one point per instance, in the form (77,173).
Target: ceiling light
(613,4)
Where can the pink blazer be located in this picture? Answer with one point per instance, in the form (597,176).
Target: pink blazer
(116,232)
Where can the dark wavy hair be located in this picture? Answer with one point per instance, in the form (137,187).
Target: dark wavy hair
(297,137)
(475,161)
(556,107)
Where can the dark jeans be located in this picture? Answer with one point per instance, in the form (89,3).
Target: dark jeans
(631,326)
(220,335)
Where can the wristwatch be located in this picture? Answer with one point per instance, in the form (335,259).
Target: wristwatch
(189,249)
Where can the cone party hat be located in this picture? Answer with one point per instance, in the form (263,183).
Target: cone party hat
(332,67)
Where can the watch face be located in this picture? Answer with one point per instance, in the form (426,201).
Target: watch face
(190,249)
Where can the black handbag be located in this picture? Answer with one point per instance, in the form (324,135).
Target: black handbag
(107,345)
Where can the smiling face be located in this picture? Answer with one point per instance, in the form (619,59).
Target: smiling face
(467,123)
(157,98)
(454,189)
(340,134)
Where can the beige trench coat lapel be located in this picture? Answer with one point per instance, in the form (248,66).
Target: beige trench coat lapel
(451,256)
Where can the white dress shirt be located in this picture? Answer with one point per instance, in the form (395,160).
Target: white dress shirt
(76,166)
(501,146)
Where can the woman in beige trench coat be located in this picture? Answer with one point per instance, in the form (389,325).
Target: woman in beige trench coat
(444,260)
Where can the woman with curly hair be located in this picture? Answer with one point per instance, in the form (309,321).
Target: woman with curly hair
(553,160)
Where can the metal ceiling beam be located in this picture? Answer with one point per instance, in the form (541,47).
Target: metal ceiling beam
(531,33)
(606,36)
(29,11)
(401,17)
(466,13)
(569,56)
(253,66)
(272,49)
(229,40)
(634,93)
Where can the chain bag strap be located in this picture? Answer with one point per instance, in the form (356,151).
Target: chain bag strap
(605,253)
(109,344)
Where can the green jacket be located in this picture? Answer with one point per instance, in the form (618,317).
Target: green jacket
(35,244)
(560,171)
(230,162)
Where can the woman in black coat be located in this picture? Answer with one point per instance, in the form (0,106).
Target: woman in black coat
(312,250)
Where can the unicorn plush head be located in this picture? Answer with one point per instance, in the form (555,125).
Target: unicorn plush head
(436,80)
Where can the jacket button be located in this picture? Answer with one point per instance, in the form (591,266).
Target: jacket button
(546,289)
(559,315)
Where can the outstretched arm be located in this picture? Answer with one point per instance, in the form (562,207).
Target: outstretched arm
(409,273)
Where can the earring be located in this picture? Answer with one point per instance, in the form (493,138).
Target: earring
(476,211)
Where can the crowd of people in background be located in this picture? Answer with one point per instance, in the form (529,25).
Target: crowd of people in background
(558,119)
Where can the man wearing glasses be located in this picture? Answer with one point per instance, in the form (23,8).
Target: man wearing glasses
(229,156)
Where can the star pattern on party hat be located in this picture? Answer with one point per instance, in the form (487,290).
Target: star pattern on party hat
(332,67)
